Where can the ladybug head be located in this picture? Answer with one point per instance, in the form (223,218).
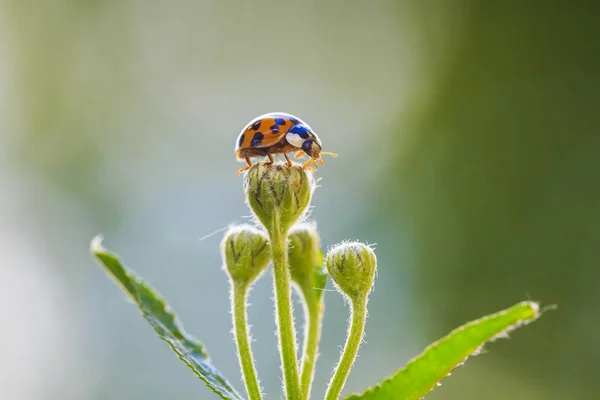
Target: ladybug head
(312,148)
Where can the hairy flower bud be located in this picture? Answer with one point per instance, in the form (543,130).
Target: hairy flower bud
(278,193)
(352,267)
(246,253)
(305,252)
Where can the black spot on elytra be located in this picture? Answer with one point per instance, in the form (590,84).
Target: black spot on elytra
(256,126)
(257,139)
(280,121)
(275,128)
(241,140)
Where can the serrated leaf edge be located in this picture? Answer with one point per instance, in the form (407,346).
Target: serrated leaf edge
(96,248)
(535,307)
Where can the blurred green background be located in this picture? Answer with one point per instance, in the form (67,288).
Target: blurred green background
(469,153)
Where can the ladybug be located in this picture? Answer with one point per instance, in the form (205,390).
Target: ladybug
(278,133)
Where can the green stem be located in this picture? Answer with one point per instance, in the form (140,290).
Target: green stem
(357,328)
(283,309)
(312,332)
(238,304)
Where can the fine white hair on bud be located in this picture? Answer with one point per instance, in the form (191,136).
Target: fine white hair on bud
(352,266)
(305,252)
(278,193)
(246,253)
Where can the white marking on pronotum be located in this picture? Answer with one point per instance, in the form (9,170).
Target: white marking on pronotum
(294,139)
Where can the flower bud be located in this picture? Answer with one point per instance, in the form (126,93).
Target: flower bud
(246,253)
(304,250)
(278,190)
(352,267)
(306,258)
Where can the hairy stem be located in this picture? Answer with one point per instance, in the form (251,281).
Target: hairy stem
(357,328)
(312,332)
(238,304)
(283,309)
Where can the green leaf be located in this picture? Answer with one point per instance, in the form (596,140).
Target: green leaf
(165,322)
(423,373)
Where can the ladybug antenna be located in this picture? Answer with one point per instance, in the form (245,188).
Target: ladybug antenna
(325,152)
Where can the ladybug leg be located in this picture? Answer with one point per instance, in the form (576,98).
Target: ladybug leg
(247,167)
(299,154)
(289,162)
(320,159)
(310,161)
(271,160)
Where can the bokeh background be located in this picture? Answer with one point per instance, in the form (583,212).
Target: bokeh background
(469,153)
